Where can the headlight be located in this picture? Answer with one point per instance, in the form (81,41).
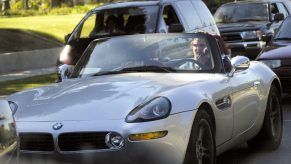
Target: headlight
(13,106)
(155,109)
(248,35)
(272,63)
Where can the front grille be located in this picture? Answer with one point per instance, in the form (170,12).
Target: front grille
(82,141)
(36,142)
(231,37)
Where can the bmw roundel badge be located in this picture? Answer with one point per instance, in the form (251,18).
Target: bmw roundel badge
(57,126)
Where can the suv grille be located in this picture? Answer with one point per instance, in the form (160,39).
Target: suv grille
(231,36)
(36,142)
(82,141)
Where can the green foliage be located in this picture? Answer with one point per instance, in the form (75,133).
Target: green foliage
(42,7)
(9,87)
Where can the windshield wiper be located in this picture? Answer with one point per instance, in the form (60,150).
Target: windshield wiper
(146,68)
(283,38)
(149,68)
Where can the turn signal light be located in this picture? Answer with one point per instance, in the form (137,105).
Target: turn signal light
(147,136)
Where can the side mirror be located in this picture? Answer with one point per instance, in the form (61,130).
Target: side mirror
(65,71)
(266,38)
(278,17)
(173,28)
(66,38)
(239,63)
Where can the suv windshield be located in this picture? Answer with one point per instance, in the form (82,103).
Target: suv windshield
(146,53)
(242,12)
(118,21)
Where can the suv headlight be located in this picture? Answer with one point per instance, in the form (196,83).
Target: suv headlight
(249,35)
(155,109)
(272,63)
(13,107)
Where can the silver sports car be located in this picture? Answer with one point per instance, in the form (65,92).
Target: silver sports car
(155,98)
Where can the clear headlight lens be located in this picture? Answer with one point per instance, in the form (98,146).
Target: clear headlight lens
(155,109)
(272,63)
(248,35)
(13,106)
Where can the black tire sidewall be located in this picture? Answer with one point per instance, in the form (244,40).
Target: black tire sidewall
(201,117)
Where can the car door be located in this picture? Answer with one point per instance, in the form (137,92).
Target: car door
(245,100)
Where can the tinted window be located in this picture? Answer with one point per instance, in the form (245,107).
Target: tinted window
(170,17)
(119,21)
(242,12)
(189,13)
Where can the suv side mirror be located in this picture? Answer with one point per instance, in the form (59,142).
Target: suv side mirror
(66,38)
(278,17)
(239,63)
(266,38)
(175,28)
(64,72)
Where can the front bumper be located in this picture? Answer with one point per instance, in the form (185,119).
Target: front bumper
(250,49)
(169,149)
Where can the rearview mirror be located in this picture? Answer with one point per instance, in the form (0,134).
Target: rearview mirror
(175,28)
(278,17)
(239,63)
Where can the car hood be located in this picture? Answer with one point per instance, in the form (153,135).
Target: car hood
(241,26)
(277,50)
(102,97)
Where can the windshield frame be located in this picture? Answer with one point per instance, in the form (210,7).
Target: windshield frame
(216,56)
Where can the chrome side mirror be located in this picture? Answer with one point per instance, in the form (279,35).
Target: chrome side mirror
(65,71)
(239,63)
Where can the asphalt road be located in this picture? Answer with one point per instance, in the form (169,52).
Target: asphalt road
(244,155)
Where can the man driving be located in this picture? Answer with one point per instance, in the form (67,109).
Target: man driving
(201,53)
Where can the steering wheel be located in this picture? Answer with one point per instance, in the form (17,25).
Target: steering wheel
(187,63)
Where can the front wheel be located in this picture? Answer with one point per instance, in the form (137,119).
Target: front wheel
(270,135)
(201,146)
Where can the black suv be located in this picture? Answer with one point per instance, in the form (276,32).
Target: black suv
(246,26)
(135,17)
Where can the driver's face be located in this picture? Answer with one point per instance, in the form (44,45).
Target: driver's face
(198,47)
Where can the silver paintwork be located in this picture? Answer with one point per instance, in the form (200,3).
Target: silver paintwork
(102,103)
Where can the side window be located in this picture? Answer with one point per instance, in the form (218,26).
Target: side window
(170,16)
(204,13)
(274,10)
(282,9)
(88,26)
(190,15)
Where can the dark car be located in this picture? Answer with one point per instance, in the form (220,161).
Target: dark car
(243,24)
(8,144)
(135,17)
(278,54)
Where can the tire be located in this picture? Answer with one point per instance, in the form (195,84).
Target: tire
(201,147)
(270,135)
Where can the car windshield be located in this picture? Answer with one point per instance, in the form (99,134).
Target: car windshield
(118,21)
(146,53)
(242,12)
(284,32)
